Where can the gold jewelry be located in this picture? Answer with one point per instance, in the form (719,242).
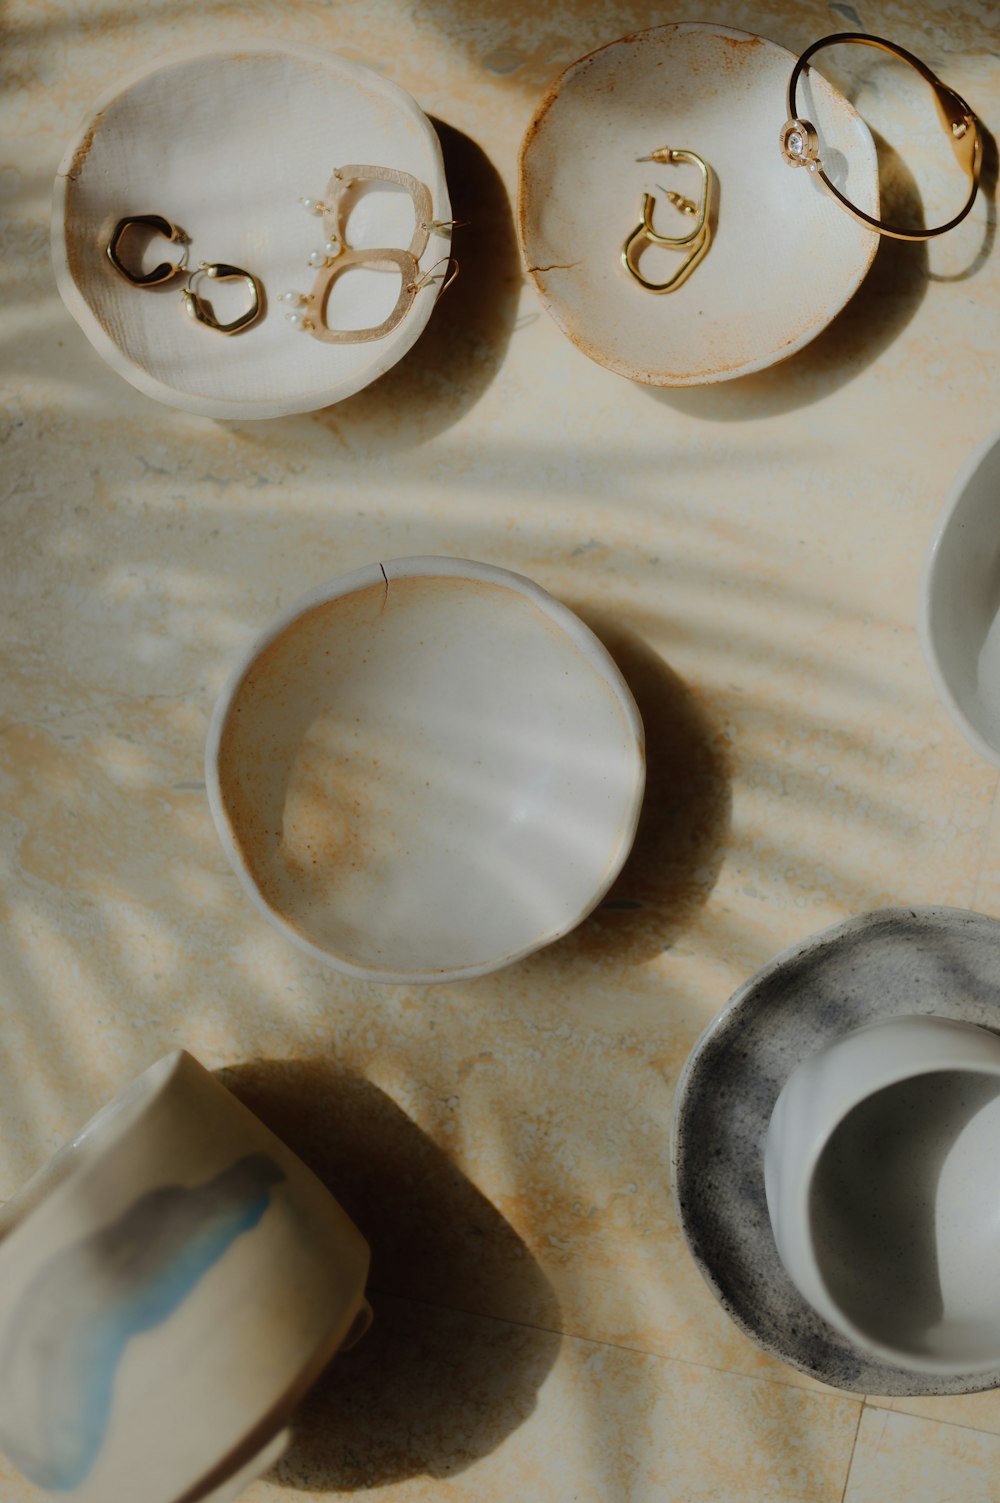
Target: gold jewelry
(202,312)
(645,233)
(308,310)
(800,144)
(166,269)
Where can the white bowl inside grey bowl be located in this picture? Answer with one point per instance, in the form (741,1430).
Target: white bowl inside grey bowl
(426,769)
(960,602)
(883,1181)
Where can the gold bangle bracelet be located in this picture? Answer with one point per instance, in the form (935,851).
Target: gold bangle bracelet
(800,144)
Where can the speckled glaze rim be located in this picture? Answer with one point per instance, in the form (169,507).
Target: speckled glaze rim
(351,74)
(650,377)
(587,643)
(948,515)
(800,1337)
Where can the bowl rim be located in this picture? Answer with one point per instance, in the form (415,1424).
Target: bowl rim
(613,362)
(87,1144)
(415,566)
(115,356)
(928,584)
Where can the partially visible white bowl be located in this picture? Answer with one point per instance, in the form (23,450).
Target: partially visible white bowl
(425,770)
(881,1177)
(223,145)
(960,602)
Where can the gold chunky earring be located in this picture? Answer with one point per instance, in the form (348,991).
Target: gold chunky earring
(697,239)
(200,310)
(160,226)
(307,311)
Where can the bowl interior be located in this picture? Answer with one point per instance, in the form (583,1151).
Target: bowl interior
(784,258)
(224,146)
(430,774)
(903,1213)
(963,601)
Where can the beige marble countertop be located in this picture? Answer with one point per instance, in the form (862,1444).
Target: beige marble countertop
(752,553)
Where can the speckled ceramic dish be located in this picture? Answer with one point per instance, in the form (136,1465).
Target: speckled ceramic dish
(223,145)
(426,769)
(893,963)
(784,258)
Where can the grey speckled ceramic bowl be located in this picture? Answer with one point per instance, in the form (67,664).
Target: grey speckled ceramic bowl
(895,962)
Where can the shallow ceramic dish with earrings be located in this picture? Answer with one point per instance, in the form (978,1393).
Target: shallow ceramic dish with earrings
(783,258)
(426,770)
(231,153)
(171,1284)
(960,602)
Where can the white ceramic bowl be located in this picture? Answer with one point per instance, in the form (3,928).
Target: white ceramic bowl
(223,145)
(425,770)
(883,1180)
(171,1283)
(960,602)
(784,258)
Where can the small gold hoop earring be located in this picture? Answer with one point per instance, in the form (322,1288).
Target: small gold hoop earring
(696,241)
(687,206)
(160,226)
(679,277)
(201,311)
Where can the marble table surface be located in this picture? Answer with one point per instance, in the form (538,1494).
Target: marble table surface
(750,552)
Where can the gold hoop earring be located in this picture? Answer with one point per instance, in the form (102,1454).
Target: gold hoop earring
(697,240)
(687,206)
(201,311)
(160,226)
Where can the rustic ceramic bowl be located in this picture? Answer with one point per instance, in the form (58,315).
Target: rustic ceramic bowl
(938,962)
(960,603)
(881,1180)
(425,770)
(170,1285)
(224,145)
(784,258)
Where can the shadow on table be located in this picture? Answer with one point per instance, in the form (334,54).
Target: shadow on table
(683,830)
(875,316)
(464,343)
(440,1380)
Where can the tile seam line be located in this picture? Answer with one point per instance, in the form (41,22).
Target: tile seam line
(638,1351)
(927,1419)
(854,1448)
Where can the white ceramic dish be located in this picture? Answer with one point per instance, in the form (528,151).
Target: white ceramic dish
(426,770)
(171,1283)
(224,145)
(960,602)
(882,1183)
(784,258)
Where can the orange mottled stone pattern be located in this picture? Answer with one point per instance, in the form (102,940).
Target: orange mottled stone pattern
(751,553)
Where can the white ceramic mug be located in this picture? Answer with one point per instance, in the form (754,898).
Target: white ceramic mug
(170,1285)
(882,1177)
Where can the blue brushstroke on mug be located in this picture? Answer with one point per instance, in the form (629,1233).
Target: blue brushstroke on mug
(61,1351)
